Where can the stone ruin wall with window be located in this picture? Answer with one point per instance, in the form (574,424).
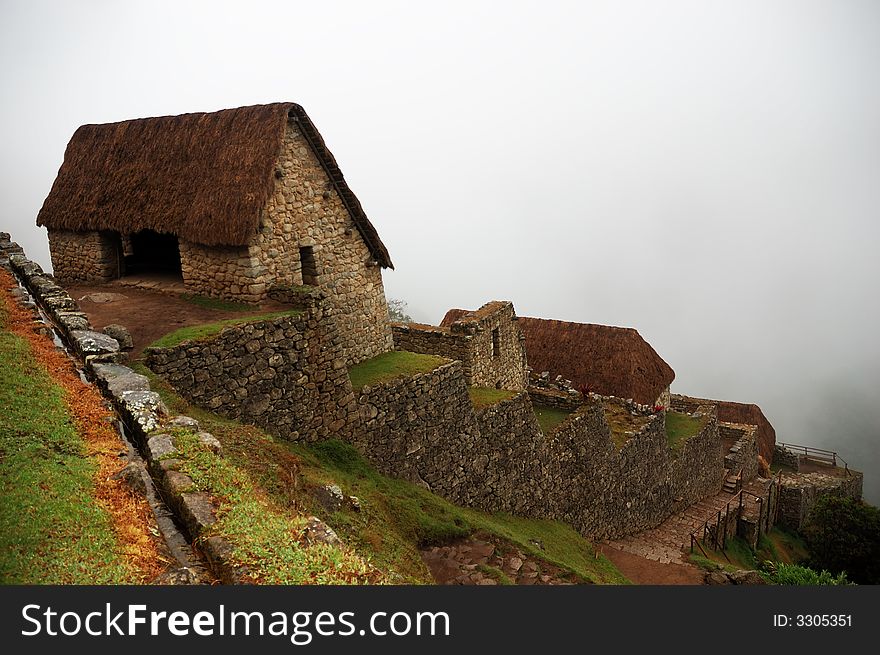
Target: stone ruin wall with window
(305,214)
(488,342)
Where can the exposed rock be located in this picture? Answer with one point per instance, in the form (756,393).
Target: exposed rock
(103,296)
(88,342)
(159,446)
(132,475)
(145,408)
(716,578)
(176,577)
(746,577)
(121,334)
(331,497)
(197,511)
(184,422)
(318,532)
(209,440)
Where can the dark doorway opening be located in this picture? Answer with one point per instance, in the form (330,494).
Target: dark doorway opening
(149,252)
(309,266)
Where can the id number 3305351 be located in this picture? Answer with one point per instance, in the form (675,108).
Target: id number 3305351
(812,620)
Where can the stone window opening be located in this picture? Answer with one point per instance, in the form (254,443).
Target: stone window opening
(309,265)
(496,343)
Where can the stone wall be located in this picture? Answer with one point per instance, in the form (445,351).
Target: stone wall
(786,457)
(430,340)
(286,374)
(799,492)
(223,272)
(307,211)
(743,452)
(488,342)
(497,459)
(556,392)
(83,256)
(419,428)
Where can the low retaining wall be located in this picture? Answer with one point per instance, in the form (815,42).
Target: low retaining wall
(799,493)
(283,374)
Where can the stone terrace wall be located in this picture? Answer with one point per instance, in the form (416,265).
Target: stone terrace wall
(83,256)
(799,492)
(744,452)
(284,374)
(497,459)
(419,428)
(430,340)
(488,343)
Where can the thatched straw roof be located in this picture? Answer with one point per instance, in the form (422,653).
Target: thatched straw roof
(611,361)
(204,177)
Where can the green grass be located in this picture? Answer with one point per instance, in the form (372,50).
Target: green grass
(207,330)
(739,556)
(496,574)
(265,536)
(216,303)
(550,417)
(680,427)
(622,423)
(485,396)
(51,529)
(782,546)
(391,365)
(396,517)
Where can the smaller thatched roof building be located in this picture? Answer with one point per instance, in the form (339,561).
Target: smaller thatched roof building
(611,361)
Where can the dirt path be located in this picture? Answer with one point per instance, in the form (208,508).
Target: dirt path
(645,571)
(148,315)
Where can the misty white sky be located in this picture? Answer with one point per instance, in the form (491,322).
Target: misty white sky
(707,172)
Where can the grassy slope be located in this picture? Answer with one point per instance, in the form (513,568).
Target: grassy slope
(392,365)
(778,546)
(51,529)
(196,332)
(550,417)
(679,427)
(485,396)
(396,517)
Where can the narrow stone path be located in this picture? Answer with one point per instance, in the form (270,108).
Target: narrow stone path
(669,542)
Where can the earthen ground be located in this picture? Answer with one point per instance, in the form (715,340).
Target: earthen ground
(150,314)
(643,571)
(474,559)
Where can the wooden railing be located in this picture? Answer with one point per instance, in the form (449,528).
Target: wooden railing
(819,454)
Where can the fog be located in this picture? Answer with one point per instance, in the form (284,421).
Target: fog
(706,172)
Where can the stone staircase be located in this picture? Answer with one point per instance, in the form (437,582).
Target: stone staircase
(669,542)
(732,481)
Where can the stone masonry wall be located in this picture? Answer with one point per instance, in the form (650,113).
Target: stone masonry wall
(223,272)
(283,374)
(488,342)
(83,256)
(497,459)
(430,340)
(744,451)
(799,492)
(306,211)
(417,428)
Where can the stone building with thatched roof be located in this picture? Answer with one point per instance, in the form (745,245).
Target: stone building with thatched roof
(611,361)
(234,203)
